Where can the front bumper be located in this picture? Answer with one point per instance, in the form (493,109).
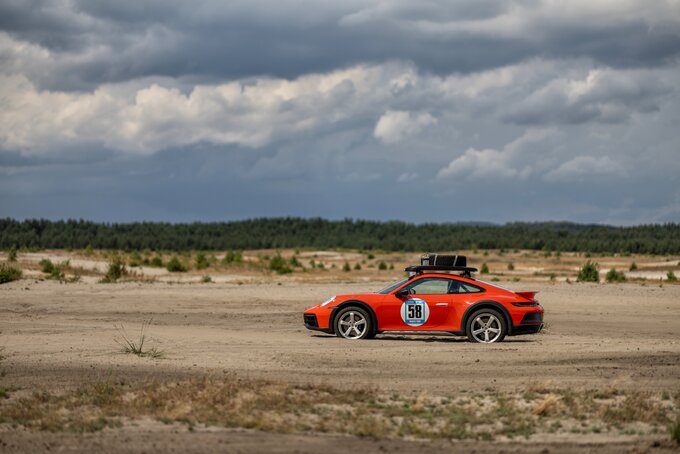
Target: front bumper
(312,323)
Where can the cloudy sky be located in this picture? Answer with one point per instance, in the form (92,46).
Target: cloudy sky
(446,111)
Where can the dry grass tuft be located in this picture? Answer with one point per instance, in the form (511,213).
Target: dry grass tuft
(545,406)
(129,345)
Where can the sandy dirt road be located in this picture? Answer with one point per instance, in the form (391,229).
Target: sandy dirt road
(59,336)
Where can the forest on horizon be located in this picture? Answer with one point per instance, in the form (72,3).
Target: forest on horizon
(292,232)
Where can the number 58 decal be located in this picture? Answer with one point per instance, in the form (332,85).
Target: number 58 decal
(414,312)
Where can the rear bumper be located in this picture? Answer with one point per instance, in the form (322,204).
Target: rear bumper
(531,323)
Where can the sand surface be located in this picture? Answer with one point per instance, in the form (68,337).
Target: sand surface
(59,336)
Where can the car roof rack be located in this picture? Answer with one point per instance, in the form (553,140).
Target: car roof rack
(419,269)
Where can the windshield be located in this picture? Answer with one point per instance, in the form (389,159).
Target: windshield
(391,287)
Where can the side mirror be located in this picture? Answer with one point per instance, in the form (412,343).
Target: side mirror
(402,293)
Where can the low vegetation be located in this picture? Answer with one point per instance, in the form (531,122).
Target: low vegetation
(277,407)
(484,269)
(589,272)
(671,277)
(279,265)
(613,276)
(115,271)
(9,273)
(136,347)
(174,265)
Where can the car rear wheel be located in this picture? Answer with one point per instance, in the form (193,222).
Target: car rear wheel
(486,326)
(353,323)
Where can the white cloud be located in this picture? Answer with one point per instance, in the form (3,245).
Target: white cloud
(394,126)
(585,166)
(508,162)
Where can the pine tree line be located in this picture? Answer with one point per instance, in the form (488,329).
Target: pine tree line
(265,233)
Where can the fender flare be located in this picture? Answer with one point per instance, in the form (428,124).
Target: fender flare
(358,303)
(486,304)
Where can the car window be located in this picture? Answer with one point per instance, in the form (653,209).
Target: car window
(456,287)
(391,287)
(429,286)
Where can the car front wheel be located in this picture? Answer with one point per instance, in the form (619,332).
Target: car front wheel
(353,323)
(486,326)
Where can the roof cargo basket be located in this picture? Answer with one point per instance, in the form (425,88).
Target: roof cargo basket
(439,262)
(431,259)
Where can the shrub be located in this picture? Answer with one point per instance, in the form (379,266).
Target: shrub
(675,431)
(484,269)
(175,266)
(511,266)
(589,272)
(615,276)
(46,266)
(157,261)
(371,256)
(9,273)
(201,261)
(135,259)
(346,268)
(671,277)
(232,257)
(321,266)
(633,267)
(115,271)
(294,262)
(206,279)
(12,255)
(357,266)
(54,270)
(278,264)
(382,265)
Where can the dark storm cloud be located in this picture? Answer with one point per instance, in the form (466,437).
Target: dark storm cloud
(104,41)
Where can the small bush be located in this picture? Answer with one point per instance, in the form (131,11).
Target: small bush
(12,255)
(357,266)
(633,267)
(484,269)
(321,266)
(206,279)
(278,264)
(294,262)
(671,277)
(53,269)
(157,261)
(135,260)
(615,276)
(589,272)
(346,268)
(9,273)
(46,266)
(371,256)
(175,266)
(232,257)
(201,261)
(115,271)
(382,265)
(511,266)
(675,431)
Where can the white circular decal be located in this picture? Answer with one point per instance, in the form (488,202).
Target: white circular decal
(414,312)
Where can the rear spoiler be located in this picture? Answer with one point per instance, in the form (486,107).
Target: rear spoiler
(528,295)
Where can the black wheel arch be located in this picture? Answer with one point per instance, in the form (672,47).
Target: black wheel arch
(355,303)
(486,304)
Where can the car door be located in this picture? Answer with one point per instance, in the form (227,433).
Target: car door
(423,308)
(462,295)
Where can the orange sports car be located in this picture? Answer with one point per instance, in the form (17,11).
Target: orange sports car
(431,299)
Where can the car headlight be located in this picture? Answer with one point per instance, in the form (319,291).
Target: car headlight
(327,302)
